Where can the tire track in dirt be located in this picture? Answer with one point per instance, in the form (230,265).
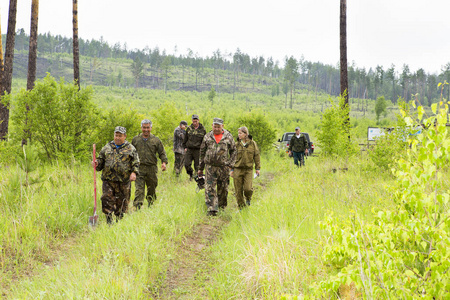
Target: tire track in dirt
(189,272)
(190,269)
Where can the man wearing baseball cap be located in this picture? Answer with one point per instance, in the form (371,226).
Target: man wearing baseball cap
(192,142)
(119,161)
(217,157)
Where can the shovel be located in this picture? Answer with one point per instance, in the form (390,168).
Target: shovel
(93,221)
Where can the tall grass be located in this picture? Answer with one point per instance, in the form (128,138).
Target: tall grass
(273,247)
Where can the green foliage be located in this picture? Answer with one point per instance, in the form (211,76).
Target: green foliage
(403,253)
(165,119)
(117,116)
(334,134)
(211,95)
(259,128)
(8,152)
(380,107)
(60,117)
(389,148)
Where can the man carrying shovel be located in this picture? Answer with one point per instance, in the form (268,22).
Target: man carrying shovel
(119,161)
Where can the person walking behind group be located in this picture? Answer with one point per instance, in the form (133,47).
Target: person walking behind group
(192,142)
(119,161)
(217,156)
(247,155)
(298,147)
(147,146)
(178,149)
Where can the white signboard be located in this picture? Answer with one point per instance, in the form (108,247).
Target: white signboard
(374,132)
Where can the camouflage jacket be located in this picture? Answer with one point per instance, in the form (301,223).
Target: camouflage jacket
(178,138)
(194,137)
(217,154)
(147,150)
(298,144)
(118,163)
(247,155)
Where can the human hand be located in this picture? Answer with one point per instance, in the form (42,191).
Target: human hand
(94,163)
(163,166)
(133,176)
(257,172)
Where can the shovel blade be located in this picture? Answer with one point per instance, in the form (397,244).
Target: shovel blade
(93,221)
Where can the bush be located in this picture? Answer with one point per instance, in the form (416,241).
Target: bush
(59,118)
(259,128)
(118,116)
(165,120)
(403,253)
(334,134)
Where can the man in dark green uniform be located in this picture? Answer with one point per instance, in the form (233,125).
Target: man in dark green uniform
(192,142)
(298,147)
(119,161)
(147,146)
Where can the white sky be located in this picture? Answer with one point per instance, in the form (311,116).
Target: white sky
(381,32)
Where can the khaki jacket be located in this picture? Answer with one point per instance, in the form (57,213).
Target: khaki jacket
(247,155)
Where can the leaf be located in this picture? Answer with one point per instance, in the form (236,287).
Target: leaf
(434,107)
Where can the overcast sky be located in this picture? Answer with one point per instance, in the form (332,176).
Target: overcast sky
(379,32)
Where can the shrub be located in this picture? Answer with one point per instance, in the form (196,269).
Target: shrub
(334,134)
(403,253)
(259,128)
(59,117)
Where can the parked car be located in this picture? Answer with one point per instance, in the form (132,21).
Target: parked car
(284,142)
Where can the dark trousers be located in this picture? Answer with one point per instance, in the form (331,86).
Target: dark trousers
(179,163)
(115,198)
(191,155)
(299,157)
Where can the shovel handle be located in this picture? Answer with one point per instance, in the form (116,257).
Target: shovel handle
(95,180)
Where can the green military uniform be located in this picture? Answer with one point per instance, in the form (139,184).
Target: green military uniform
(217,159)
(117,164)
(247,154)
(147,150)
(298,147)
(192,142)
(178,149)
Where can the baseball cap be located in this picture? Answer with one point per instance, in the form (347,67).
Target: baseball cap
(120,129)
(218,121)
(297,128)
(194,117)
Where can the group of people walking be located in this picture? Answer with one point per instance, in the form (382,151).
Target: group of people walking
(214,154)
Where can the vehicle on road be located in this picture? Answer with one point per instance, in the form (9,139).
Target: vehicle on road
(283,143)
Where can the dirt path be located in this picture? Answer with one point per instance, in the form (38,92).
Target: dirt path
(188,273)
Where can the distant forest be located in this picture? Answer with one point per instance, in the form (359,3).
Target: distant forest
(150,68)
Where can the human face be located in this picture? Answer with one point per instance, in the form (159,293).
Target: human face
(242,136)
(183,127)
(297,131)
(195,122)
(146,129)
(119,138)
(217,129)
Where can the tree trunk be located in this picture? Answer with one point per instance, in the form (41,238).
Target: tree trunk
(32,52)
(76,48)
(32,57)
(343,48)
(6,76)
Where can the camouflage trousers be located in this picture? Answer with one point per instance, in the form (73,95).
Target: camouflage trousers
(179,163)
(192,155)
(115,198)
(147,176)
(243,179)
(216,187)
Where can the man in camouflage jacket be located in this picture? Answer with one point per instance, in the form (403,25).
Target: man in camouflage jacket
(192,142)
(178,149)
(147,146)
(298,147)
(119,161)
(217,156)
